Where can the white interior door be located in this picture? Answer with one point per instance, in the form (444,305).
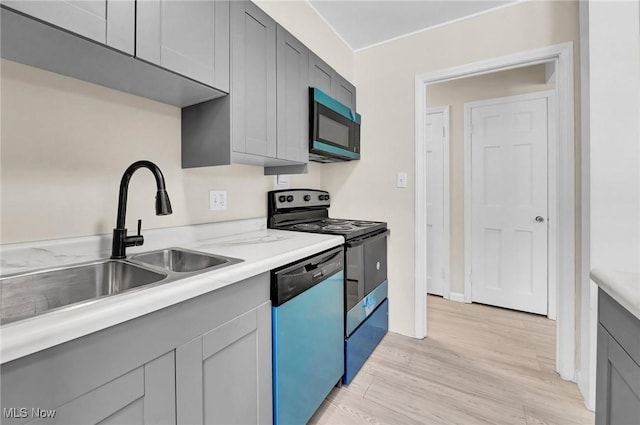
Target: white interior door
(435,138)
(509,204)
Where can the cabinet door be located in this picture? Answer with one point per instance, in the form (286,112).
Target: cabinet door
(110,22)
(345,92)
(224,377)
(190,38)
(292,98)
(253,85)
(321,75)
(617,383)
(145,395)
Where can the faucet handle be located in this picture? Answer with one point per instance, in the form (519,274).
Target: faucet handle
(139,226)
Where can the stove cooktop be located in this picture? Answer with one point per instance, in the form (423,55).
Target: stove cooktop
(307,210)
(333,226)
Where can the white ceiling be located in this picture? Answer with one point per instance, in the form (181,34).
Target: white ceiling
(363,23)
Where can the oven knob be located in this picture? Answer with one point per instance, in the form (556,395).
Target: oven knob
(321,197)
(307,197)
(282,198)
(289,198)
(326,197)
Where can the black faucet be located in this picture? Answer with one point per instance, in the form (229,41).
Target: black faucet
(163,207)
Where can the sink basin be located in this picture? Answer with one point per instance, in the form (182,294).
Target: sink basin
(184,261)
(34,293)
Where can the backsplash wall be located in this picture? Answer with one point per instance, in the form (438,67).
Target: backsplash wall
(66,143)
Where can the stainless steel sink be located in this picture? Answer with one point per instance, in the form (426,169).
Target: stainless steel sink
(184,261)
(30,294)
(34,293)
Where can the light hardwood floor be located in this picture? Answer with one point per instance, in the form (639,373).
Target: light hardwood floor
(480,365)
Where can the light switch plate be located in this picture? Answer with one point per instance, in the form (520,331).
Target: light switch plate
(401,179)
(281,181)
(217,200)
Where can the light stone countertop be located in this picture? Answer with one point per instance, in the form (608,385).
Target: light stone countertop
(622,287)
(261,249)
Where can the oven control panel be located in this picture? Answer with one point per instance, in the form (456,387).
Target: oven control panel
(298,198)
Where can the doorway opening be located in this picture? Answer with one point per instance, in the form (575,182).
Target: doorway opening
(557,60)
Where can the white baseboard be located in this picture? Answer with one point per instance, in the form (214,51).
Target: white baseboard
(456,296)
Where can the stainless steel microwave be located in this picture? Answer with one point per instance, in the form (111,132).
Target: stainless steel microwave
(334,129)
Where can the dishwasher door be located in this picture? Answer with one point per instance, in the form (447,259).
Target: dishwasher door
(308,341)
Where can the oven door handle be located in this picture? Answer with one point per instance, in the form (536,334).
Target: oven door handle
(361,241)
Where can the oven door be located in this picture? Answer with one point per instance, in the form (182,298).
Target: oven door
(366,270)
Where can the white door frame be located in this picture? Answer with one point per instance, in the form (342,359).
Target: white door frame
(562,56)
(445,199)
(552,204)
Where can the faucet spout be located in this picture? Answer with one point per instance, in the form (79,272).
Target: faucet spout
(163,207)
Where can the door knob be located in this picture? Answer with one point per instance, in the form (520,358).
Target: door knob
(539,219)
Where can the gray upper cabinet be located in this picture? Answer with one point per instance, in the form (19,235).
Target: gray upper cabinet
(325,78)
(109,22)
(190,38)
(182,46)
(253,85)
(321,75)
(264,120)
(345,92)
(292,97)
(618,364)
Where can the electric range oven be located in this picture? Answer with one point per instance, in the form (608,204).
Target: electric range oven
(365,259)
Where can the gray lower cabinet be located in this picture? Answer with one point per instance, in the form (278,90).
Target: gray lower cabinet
(205,360)
(325,78)
(187,37)
(109,22)
(224,376)
(618,365)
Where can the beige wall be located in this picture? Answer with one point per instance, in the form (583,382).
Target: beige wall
(385,78)
(65,144)
(455,94)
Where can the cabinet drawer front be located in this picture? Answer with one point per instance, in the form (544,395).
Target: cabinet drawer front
(622,325)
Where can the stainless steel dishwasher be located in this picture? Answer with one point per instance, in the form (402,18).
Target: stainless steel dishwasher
(308,341)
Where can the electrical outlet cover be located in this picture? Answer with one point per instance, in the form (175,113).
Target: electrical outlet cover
(401,179)
(217,200)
